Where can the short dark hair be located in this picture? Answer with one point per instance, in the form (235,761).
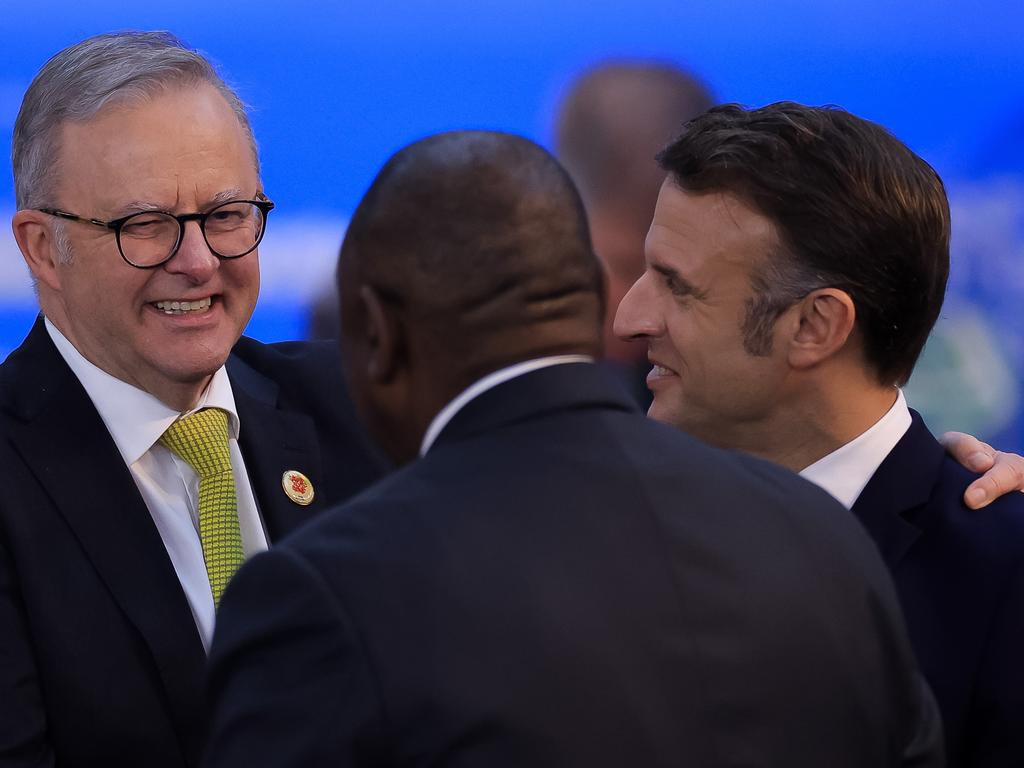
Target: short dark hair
(853,207)
(479,228)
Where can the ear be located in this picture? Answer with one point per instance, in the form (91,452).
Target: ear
(825,323)
(384,335)
(35,239)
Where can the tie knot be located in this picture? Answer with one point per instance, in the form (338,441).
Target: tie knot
(201,440)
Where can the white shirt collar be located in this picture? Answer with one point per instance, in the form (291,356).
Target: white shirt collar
(135,418)
(490,381)
(846,470)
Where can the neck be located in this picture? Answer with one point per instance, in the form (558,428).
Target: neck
(821,420)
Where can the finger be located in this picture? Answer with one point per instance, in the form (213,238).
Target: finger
(1006,475)
(969,451)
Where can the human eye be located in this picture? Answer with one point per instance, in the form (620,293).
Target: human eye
(675,284)
(147,225)
(229,216)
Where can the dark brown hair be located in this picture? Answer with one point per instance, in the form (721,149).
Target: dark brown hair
(853,207)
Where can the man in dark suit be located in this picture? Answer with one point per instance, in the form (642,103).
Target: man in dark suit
(556,580)
(795,265)
(140,212)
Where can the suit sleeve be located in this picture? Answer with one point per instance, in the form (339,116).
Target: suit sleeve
(997,714)
(23,738)
(926,748)
(288,682)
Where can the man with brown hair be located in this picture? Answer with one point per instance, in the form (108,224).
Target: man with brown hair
(796,263)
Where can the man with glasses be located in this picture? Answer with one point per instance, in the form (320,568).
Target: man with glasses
(145,450)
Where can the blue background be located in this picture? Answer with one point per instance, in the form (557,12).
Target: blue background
(334,89)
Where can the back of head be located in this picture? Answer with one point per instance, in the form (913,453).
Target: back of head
(84,79)
(481,241)
(854,209)
(614,119)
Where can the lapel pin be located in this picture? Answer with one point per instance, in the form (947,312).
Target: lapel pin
(297,487)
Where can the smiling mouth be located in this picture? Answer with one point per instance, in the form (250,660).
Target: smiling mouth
(179,307)
(658,370)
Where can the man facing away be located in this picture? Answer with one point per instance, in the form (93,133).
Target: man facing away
(796,263)
(142,445)
(556,580)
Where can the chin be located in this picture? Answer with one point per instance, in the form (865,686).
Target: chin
(195,370)
(658,412)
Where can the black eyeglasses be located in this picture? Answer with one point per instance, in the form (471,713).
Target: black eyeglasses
(150,238)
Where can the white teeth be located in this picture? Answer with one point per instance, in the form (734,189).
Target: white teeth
(661,371)
(181,307)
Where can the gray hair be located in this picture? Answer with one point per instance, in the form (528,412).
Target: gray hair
(80,81)
(778,283)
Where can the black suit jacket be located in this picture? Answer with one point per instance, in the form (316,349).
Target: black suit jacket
(101,663)
(960,578)
(561,582)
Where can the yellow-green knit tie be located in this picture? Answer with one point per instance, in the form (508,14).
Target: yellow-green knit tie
(201,440)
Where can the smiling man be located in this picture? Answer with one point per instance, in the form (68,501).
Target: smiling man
(146,450)
(796,263)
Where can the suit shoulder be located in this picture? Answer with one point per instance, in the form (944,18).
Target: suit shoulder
(998,528)
(304,371)
(288,355)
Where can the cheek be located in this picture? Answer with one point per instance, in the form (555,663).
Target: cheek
(241,284)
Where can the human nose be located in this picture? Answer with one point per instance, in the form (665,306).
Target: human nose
(637,317)
(194,259)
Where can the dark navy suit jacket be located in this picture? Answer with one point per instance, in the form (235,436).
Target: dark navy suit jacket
(561,582)
(101,663)
(960,578)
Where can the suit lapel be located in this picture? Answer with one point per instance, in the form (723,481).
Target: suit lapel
(66,445)
(890,503)
(274,440)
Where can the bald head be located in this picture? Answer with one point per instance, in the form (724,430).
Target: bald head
(470,252)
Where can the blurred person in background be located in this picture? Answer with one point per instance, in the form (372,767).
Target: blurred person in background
(796,263)
(614,118)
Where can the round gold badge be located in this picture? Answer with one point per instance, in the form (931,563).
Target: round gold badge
(297,487)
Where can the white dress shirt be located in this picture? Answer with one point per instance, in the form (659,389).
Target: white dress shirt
(490,381)
(169,486)
(846,470)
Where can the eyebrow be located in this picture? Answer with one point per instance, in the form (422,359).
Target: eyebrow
(141,206)
(683,287)
(137,206)
(226,196)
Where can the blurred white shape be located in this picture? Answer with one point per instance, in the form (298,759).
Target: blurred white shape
(15,283)
(963,380)
(298,256)
(968,377)
(297,260)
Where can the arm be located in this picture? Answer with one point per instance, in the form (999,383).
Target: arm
(1004,472)
(288,684)
(23,738)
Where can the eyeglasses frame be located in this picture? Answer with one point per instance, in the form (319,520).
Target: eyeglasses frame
(264,204)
